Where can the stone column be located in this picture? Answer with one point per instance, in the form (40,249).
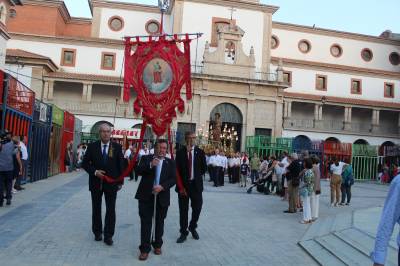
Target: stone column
(51,90)
(45,90)
(121,96)
(89,91)
(289,110)
(347,118)
(84,92)
(375,121)
(204,115)
(248,128)
(278,117)
(318,116)
(398,124)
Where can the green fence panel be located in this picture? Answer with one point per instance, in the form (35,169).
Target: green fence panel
(365,168)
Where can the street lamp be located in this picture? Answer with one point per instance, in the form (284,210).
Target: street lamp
(163,5)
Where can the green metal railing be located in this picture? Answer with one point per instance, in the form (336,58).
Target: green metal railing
(266,146)
(365,161)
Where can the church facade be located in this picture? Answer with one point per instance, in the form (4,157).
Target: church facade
(262,77)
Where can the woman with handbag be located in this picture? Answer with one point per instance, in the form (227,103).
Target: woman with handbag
(306,190)
(347,182)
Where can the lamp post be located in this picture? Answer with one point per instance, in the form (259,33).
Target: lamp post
(163,5)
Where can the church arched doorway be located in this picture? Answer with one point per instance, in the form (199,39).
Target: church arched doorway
(226,122)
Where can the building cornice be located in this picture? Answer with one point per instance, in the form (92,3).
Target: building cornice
(336,67)
(332,33)
(86,41)
(341,100)
(84,78)
(239,4)
(122,5)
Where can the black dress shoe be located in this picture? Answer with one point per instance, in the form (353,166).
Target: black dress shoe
(8,202)
(195,234)
(181,239)
(109,241)
(1,204)
(98,238)
(288,211)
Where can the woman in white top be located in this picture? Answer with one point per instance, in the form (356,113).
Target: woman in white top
(336,181)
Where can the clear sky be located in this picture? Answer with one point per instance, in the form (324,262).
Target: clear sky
(370,17)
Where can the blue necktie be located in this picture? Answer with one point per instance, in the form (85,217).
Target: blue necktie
(104,153)
(158,173)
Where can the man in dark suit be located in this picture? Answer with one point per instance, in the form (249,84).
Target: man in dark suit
(191,165)
(103,157)
(158,176)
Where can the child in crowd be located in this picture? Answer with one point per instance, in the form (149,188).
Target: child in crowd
(244,172)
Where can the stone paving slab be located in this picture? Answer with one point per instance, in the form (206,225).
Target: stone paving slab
(235,228)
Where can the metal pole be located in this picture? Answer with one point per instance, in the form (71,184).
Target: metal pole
(153,221)
(5,96)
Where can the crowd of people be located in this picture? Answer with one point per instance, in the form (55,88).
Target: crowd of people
(295,178)
(13,165)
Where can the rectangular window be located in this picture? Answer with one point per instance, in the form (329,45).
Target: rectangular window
(287,77)
(263,132)
(68,57)
(389,90)
(356,86)
(321,82)
(108,61)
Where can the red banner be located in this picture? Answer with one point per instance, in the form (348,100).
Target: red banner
(157,70)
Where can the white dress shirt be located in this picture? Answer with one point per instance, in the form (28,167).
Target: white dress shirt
(192,173)
(102,146)
(24,151)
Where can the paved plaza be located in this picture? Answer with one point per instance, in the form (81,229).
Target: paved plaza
(50,224)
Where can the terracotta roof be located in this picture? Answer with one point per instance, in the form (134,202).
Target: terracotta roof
(89,77)
(25,54)
(342,100)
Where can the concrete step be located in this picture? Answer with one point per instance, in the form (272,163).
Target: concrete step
(364,243)
(343,251)
(327,225)
(320,254)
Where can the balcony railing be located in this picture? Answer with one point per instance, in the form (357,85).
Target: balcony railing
(257,75)
(339,126)
(298,123)
(98,108)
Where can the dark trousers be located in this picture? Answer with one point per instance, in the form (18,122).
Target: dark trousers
(230,174)
(97,227)
(210,173)
(216,175)
(146,209)
(6,178)
(236,174)
(254,175)
(221,176)
(196,202)
(346,192)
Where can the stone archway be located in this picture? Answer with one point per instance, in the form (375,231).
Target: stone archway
(95,128)
(333,139)
(301,143)
(225,119)
(361,141)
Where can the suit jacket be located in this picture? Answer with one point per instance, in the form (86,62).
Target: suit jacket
(199,167)
(93,160)
(167,179)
